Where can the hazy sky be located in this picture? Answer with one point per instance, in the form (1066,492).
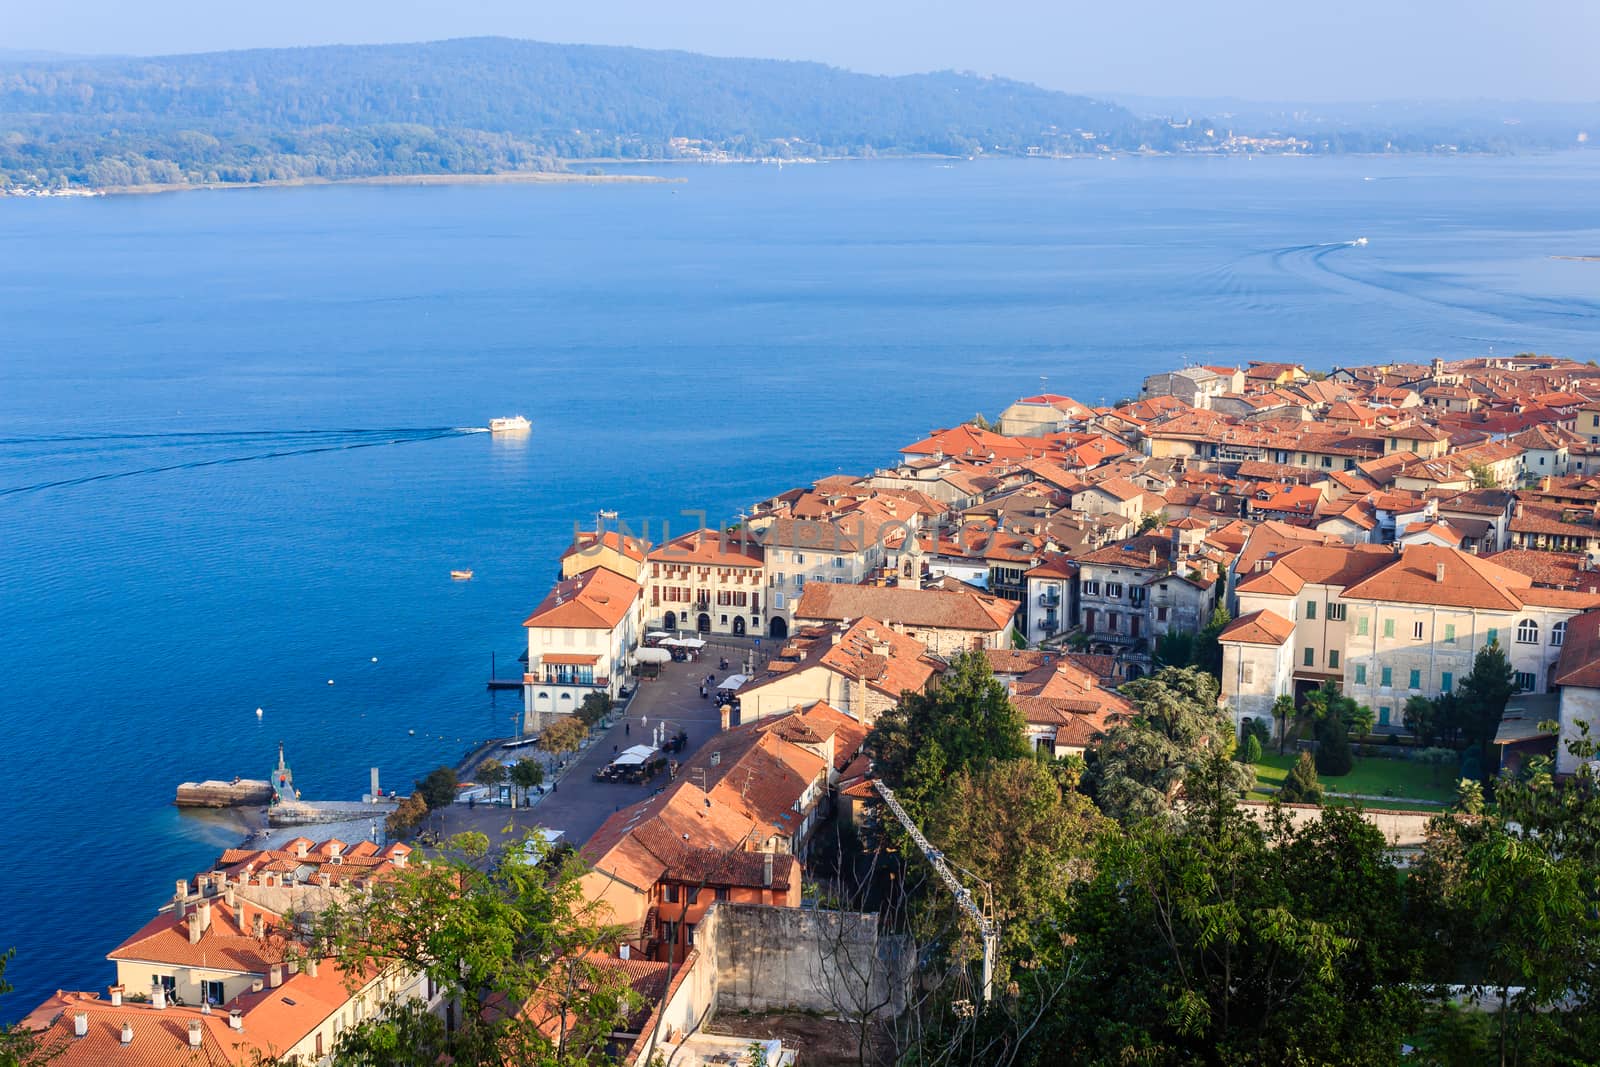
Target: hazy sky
(1258,49)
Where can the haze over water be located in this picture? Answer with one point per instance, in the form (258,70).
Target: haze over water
(228,468)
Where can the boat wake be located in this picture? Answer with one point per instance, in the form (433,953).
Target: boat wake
(305,442)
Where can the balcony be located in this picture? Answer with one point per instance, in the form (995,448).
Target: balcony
(1050,599)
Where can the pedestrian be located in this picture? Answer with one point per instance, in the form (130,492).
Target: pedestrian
(613,750)
(627,728)
(702,691)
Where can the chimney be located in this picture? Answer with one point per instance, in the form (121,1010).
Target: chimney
(257,986)
(182,890)
(228,896)
(195,929)
(80,1023)
(275,976)
(311,966)
(1438,572)
(127,1033)
(195,1033)
(236,1019)
(158,994)
(258,926)
(116,995)
(766,870)
(300,849)
(1518,513)
(204,912)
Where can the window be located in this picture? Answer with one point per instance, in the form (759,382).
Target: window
(799,581)
(1524,681)
(1447,682)
(1311,657)
(1449,633)
(1361,674)
(1383,716)
(777,601)
(1311,609)
(1361,626)
(1527,632)
(1335,612)
(1416,631)
(1161,615)
(838,561)
(1386,678)
(1558,633)
(799,557)
(672,894)
(1091,588)
(1333,659)
(1416,680)
(1114,590)
(722,892)
(213,993)
(1248,674)
(1388,627)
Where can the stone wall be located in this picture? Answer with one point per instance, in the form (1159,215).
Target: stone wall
(799,959)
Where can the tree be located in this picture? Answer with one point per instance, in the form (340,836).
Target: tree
(1469,796)
(965,723)
(595,707)
(1153,520)
(1141,764)
(408,816)
(1282,712)
(1219,940)
(564,735)
(1333,748)
(1482,696)
(438,789)
(491,772)
(20,1046)
(1300,785)
(527,774)
(1421,717)
(517,934)
(1250,751)
(1207,646)
(1482,476)
(1175,648)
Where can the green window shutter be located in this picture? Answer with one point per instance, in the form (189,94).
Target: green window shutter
(1311,657)
(1333,658)
(1449,633)
(1361,626)
(1416,679)
(1361,674)
(1388,627)
(1447,682)
(1311,609)
(1387,677)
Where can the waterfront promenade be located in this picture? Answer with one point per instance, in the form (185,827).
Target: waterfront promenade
(579,804)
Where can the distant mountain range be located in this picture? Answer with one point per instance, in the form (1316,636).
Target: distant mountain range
(490,105)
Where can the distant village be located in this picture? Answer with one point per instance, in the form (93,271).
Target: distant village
(1371,526)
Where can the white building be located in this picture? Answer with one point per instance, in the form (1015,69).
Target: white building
(580,640)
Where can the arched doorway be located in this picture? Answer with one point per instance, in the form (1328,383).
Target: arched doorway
(779,629)
(670,622)
(738,626)
(704,624)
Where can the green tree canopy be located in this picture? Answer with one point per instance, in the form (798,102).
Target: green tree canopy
(964,723)
(1141,764)
(438,789)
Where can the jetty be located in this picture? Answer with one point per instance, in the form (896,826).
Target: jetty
(240,792)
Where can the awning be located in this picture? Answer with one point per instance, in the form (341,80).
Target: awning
(634,756)
(652,655)
(569,659)
(733,681)
(656,635)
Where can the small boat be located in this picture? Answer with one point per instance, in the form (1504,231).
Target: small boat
(508,424)
(1360,242)
(461,576)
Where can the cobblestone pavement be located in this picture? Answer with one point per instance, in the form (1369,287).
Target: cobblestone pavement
(578,804)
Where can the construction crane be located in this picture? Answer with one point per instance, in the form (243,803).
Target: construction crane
(988,929)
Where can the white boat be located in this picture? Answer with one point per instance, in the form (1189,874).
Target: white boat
(508,424)
(1360,242)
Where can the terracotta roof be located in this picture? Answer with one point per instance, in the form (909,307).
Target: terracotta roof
(917,608)
(586,540)
(1579,664)
(597,599)
(1468,581)
(710,548)
(228,944)
(1262,627)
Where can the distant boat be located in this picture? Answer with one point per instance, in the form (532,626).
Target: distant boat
(508,424)
(461,576)
(1359,242)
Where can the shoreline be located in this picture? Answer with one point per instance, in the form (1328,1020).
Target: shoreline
(506,178)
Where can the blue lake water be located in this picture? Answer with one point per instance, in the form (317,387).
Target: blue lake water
(227,473)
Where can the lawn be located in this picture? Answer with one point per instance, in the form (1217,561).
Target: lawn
(1373,775)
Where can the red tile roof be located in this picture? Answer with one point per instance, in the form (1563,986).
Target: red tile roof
(597,599)
(1579,664)
(1258,628)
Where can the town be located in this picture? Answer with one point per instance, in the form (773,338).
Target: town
(714,720)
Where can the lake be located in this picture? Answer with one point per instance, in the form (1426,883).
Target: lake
(230,470)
